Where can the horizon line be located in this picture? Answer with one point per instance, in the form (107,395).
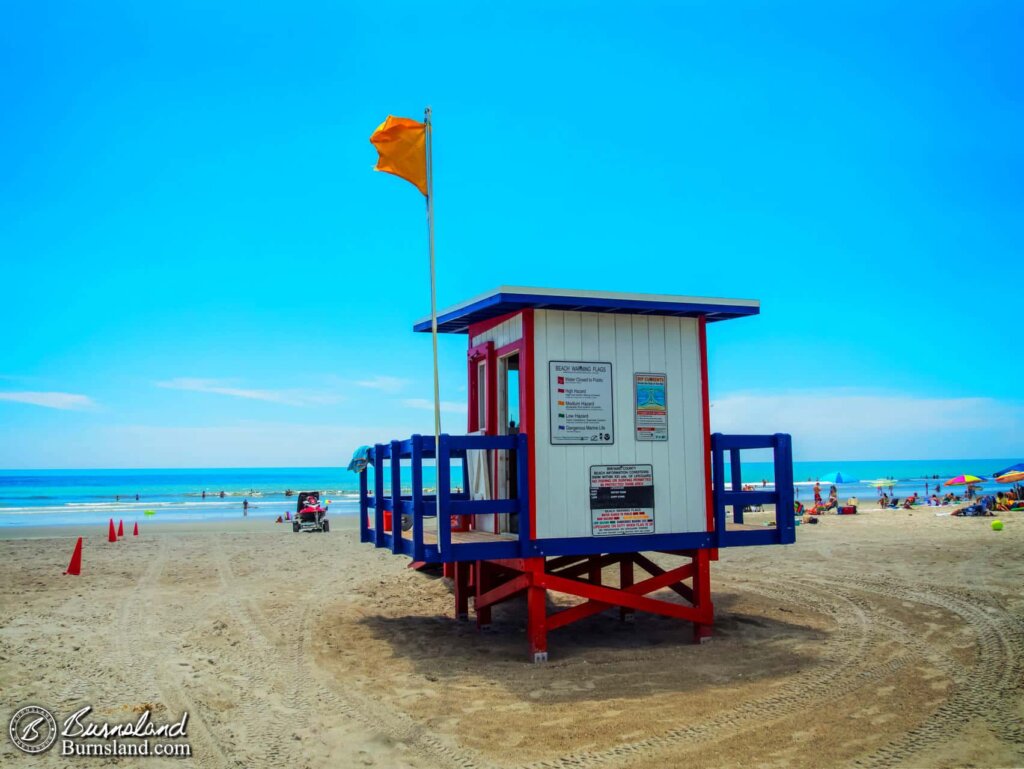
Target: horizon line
(342,467)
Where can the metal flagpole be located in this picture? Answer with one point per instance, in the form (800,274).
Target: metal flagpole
(433,306)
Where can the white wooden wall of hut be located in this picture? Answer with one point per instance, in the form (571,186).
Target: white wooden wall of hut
(506,332)
(632,344)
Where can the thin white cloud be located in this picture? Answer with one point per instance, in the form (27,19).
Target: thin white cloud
(841,424)
(387,384)
(451,407)
(288,397)
(246,444)
(51,400)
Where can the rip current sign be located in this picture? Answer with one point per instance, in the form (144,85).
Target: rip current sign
(581,402)
(621,499)
(651,418)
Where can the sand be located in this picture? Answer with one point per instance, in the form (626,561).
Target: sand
(883,639)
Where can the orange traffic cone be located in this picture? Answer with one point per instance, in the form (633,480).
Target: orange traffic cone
(75,567)
(111,534)
(120,528)
(136,532)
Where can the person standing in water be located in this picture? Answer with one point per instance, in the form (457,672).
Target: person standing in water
(245,508)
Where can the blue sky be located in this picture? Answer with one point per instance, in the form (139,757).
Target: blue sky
(200,268)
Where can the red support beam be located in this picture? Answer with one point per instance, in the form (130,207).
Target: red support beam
(709,503)
(502,592)
(664,580)
(492,582)
(631,598)
(626,582)
(537,626)
(515,564)
(652,568)
(587,565)
(562,561)
(702,595)
(482,577)
(462,582)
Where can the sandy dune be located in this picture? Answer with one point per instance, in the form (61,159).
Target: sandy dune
(885,639)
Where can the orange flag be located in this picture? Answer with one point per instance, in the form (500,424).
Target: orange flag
(401,144)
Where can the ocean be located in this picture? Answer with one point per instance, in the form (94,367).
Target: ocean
(62,497)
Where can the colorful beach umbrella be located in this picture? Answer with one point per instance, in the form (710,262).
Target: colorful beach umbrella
(1019,467)
(838,477)
(1016,476)
(964,480)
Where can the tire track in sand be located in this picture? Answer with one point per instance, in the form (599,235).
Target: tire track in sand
(854,642)
(301,688)
(987,691)
(141,637)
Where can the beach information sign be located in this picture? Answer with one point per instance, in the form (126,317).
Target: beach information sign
(621,499)
(581,402)
(651,407)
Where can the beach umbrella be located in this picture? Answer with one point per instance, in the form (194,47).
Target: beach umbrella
(1019,467)
(838,477)
(1015,477)
(964,480)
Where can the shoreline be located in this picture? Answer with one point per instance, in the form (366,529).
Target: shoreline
(92,533)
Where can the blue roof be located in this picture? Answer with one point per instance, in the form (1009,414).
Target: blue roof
(507,299)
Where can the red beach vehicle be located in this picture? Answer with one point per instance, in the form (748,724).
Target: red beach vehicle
(309,515)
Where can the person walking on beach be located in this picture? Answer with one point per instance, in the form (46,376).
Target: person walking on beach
(245,508)
(817,493)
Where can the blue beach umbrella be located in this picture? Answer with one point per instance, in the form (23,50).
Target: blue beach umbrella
(1012,469)
(838,477)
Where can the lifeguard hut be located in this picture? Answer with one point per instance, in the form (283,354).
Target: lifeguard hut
(588,444)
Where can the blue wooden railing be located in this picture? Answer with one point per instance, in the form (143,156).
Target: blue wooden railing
(444,503)
(388,459)
(723,495)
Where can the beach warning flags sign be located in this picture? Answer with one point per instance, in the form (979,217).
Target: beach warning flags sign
(402,148)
